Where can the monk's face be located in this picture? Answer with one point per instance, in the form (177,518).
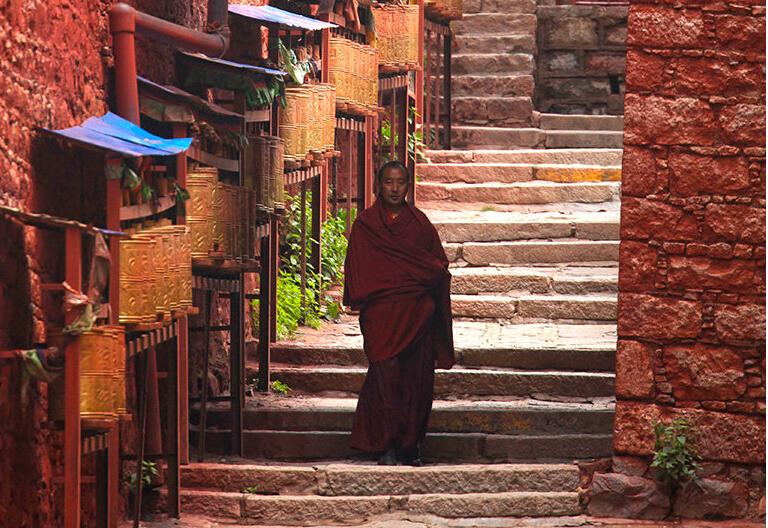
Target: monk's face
(393,186)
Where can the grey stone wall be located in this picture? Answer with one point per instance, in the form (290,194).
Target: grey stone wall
(581,59)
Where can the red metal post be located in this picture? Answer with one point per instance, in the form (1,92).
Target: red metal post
(182,343)
(368,182)
(113,473)
(72,436)
(427,129)
(420,70)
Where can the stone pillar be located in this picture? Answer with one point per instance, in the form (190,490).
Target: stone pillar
(691,314)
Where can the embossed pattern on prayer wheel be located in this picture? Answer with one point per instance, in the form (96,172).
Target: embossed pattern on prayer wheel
(102,376)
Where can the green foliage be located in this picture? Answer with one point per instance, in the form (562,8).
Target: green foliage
(280,387)
(149,470)
(416,146)
(290,310)
(487,208)
(674,458)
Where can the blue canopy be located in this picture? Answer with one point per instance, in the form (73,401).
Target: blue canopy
(112,132)
(274,15)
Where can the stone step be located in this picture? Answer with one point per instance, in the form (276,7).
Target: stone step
(479,344)
(495,44)
(498,85)
(518,193)
(588,156)
(576,173)
(570,281)
(348,479)
(496,226)
(497,111)
(533,252)
(581,122)
(455,382)
(267,412)
(474,172)
(499,6)
(313,510)
(584,139)
(515,172)
(496,24)
(487,63)
(595,307)
(498,138)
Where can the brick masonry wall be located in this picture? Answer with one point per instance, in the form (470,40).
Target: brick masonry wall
(55,71)
(691,314)
(578,48)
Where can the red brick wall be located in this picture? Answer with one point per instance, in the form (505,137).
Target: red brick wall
(55,71)
(691,316)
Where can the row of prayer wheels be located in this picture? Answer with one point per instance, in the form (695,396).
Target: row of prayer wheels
(397,36)
(265,173)
(155,273)
(221,217)
(308,121)
(102,375)
(354,70)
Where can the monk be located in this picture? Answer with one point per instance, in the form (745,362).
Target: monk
(396,274)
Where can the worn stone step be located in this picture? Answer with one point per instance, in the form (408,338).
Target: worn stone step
(498,85)
(474,172)
(581,122)
(312,509)
(518,193)
(534,251)
(497,226)
(348,479)
(576,173)
(498,111)
(455,382)
(572,281)
(496,23)
(486,63)
(596,307)
(495,44)
(519,416)
(584,139)
(536,346)
(600,157)
(498,6)
(498,138)
(438,447)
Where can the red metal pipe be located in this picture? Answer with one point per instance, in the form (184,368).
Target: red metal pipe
(125,22)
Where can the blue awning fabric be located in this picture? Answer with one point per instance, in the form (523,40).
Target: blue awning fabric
(274,15)
(112,132)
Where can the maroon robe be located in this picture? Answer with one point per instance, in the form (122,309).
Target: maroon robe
(396,275)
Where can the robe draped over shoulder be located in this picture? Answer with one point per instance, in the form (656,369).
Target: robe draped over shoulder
(396,274)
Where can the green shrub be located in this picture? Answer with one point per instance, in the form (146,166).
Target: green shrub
(674,458)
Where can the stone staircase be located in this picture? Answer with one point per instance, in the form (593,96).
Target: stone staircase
(348,493)
(493,74)
(532,236)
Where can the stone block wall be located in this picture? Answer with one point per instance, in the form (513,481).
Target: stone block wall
(691,313)
(580,61)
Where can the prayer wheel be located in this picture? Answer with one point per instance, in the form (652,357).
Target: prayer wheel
(102,376)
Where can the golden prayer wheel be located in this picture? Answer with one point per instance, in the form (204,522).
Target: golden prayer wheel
(102,376)
(136,304)
(277,180)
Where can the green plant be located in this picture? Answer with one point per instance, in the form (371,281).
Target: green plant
(674,458)
(149,470)
(487,208)
(416,146)
(280,387)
